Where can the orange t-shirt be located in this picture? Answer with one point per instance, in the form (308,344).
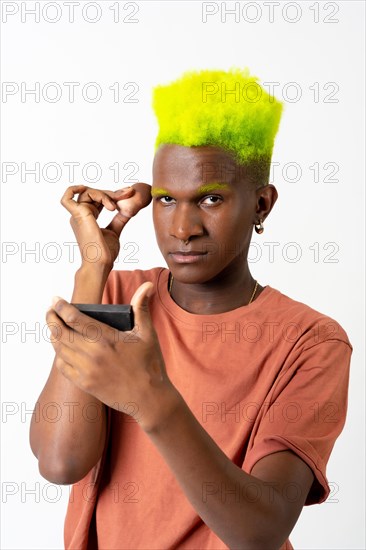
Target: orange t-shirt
(261,378)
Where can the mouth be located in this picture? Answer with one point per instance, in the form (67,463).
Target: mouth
(187,257)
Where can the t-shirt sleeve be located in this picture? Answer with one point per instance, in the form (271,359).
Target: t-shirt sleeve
(109,289)
(308,413)
(122,284)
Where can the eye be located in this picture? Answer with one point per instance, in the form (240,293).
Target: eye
(166,200)
(213,200)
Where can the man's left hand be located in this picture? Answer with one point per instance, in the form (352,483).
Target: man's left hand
(125,370)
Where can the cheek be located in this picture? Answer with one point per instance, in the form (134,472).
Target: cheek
(159,224)
(155,216)
(235,228)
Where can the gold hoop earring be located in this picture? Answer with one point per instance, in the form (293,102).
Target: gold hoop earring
(259,228)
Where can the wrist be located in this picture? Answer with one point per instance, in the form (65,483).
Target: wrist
(160,418)
(89,285)
(94,270)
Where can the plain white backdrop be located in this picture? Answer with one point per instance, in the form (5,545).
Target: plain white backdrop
(110,55)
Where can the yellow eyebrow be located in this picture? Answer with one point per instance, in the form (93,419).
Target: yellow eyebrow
(159,192)
(207,188)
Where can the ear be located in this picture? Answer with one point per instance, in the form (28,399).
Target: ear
(266,198)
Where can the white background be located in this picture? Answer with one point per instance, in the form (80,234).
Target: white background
(293,45)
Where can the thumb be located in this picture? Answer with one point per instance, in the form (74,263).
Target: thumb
(140,306)
(118,223)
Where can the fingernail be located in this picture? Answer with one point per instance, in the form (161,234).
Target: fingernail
(150,292)
(55,299)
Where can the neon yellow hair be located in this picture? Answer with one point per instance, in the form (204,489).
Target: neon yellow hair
(226,109)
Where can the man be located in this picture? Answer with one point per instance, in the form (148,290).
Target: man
(210,424)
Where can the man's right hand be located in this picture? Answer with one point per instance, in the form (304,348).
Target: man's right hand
(100,246)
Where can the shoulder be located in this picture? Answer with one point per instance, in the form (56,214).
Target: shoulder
(121,284)
(136,276)
(306,320)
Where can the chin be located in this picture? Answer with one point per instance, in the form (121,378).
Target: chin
(191,274)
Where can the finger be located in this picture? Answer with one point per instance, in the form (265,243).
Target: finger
(67,370)
(85,328)
(144,189)
(111,198)
(121,193)
(130,206)
(61,334)
(56,326)
(118,223)
(97,198)
(144,192)
(67,198)
(75,358)
(88,194)
(140,305)
(80,351)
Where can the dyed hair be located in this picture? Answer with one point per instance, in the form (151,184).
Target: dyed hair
(226,109)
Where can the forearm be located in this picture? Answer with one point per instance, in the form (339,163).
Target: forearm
(244,511)
(69,447)
(89,284)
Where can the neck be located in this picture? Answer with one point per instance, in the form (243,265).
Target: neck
(225,292)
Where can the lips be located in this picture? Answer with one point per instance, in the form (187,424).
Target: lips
(188,252)
(187,256)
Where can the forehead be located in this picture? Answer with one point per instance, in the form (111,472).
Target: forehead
(174,163)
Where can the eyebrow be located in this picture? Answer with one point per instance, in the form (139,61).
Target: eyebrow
(207,188)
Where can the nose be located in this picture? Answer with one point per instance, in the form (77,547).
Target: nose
(186,222)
